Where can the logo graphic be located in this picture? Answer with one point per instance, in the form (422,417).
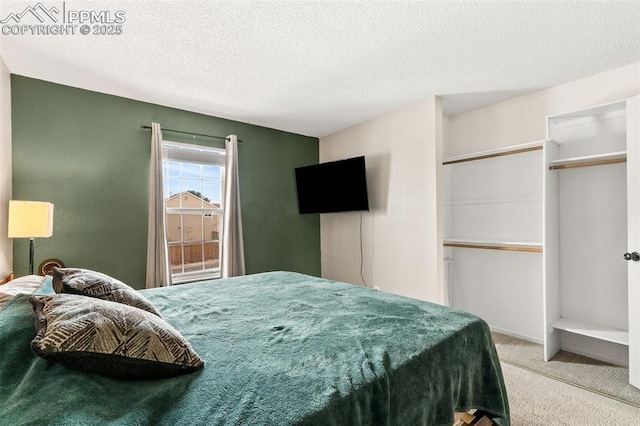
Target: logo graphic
(42,21)
(38,11)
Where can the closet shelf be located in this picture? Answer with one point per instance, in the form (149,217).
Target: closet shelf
(481,155)
(589,160)
(531,247)
(609,334)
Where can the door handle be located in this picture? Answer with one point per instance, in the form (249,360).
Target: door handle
(635,256)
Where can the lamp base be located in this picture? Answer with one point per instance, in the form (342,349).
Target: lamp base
(31,250)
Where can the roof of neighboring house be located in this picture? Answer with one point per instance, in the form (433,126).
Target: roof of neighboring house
(206,204)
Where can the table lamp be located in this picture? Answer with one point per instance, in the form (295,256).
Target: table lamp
(30,219)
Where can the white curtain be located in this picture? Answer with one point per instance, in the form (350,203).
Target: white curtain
(158,272)
(232,244)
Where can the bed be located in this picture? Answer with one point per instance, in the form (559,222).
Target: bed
(280,348)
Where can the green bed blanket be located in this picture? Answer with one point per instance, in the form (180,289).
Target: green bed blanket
(280,348)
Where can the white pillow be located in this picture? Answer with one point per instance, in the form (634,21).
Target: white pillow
(23,285)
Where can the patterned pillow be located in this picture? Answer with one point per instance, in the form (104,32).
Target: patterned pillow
(95,284)
(109,338)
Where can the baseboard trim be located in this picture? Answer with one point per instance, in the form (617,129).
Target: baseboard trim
(515,334)
(593,355)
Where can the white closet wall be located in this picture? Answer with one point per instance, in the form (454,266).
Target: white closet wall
(474,271)
(493,236)
(541,239)
(586,276)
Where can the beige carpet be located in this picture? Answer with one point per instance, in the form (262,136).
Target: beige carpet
(594,376)
(536,400)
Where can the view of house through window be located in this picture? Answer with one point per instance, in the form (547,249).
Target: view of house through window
(193,177)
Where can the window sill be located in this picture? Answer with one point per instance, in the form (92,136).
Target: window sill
(188,277)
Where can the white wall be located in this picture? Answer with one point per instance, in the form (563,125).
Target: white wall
(522,119)
(402,233)
(6,246)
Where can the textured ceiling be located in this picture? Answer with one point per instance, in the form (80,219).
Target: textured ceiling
(317,67)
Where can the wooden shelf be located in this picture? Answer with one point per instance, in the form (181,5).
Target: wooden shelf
(516,149)
(591,330)
(588,160)
(531,247)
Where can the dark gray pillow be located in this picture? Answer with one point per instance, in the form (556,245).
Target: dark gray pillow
(109,338)
(95,284)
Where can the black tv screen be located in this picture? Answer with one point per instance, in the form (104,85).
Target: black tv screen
(336,186)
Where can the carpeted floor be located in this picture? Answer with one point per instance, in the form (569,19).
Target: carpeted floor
(537,400)
(586,373)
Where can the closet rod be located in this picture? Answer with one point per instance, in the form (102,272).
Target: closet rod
(588,163)
(495,247)
(144,126)
(496,154)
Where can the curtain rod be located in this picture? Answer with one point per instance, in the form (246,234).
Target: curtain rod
(144,126)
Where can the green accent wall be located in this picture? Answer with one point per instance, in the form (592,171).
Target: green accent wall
(86,153)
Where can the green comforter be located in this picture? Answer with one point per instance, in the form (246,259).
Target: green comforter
(280,348)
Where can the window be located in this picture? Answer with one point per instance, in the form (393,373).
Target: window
(193,181)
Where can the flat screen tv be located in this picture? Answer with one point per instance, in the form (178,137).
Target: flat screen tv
(336,186)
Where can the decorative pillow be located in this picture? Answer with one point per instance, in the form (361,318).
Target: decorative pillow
(23,285)
(114,339)
(95,284)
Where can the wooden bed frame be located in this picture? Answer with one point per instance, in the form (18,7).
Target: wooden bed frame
(6,277)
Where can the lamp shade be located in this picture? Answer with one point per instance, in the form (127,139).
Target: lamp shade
(30,219)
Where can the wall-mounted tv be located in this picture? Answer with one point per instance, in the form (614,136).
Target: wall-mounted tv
(336,186)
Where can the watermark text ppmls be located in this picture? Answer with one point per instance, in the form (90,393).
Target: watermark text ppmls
(62,18)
